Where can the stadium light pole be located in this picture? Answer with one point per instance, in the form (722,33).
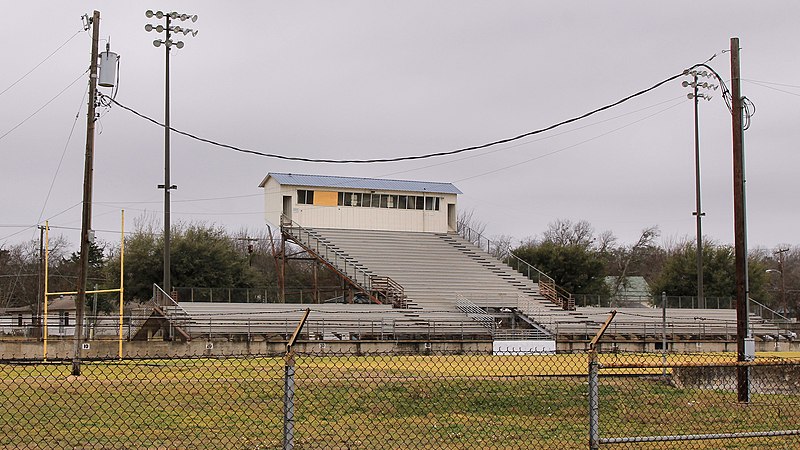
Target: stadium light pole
(698,213)
(168,28)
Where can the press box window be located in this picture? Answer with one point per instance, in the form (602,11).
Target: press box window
(351,199)
(305,197)
(432,203)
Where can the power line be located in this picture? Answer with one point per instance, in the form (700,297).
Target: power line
(766,85)
(29,227)
(567,147)
(43,106)
(772,83)
(180,201)
(40,63)
(60,161)
(424,156)
(535,140)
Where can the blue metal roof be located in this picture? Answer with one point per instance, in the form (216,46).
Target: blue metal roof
(373,184)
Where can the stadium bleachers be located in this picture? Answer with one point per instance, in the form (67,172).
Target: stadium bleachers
(447,282)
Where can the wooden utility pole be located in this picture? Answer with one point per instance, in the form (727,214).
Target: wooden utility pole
(739,226)
(86,217)
(40,297)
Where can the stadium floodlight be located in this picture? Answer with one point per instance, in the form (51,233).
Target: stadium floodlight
(167,186)
(695,95)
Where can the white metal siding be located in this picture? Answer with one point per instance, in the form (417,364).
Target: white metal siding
(354,217)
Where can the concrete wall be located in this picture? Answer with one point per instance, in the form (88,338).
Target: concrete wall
(103,348)
(60,349)
(763,379)
(677,347)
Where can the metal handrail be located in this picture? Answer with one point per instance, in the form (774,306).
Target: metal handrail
(547,286)
(773,314)
(344,263)
(173,311)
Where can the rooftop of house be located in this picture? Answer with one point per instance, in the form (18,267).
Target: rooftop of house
(376,184)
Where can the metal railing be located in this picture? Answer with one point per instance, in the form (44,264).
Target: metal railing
(475,312)
(547,286)
(347,266)
(172,311)
(770,315)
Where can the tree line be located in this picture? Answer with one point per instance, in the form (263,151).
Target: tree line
(577,257)
(202,255)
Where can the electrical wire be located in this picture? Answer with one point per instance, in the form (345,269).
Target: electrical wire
(41,62)
(204,213)
(29,227)
(772,83)
(180,201)
(748,107)
(765,85)
(416,157)
(61,160)
(43,106)
(567,147)
(682,97)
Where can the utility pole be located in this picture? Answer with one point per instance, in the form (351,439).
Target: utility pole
(696,95)
(86,217)
(168,186)
(739,226)
(701,301)
(40,297)
(785,307)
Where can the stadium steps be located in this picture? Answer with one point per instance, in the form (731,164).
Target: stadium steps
(434,268)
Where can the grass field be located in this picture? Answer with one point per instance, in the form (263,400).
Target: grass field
(372,402)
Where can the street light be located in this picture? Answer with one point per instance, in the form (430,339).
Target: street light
(784,306)
(701,302)
(168,44)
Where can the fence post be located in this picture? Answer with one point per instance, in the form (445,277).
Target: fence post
(288,403)
(594,405)
(664,333)
(288,387)
(594,380)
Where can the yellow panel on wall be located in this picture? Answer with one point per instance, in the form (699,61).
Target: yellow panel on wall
(326,198)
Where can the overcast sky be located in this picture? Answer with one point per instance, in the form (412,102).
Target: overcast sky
(372,79)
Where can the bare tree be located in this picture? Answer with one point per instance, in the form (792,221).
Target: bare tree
(625,256)
(565,233)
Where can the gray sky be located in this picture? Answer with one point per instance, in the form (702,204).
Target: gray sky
(371,79)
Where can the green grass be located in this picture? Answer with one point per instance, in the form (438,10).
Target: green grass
(374,402)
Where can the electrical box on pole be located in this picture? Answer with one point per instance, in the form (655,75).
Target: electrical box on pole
(108,65)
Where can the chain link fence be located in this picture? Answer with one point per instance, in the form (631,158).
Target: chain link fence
(427,400)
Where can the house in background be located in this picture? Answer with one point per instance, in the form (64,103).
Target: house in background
(19,321)
(350,203)
(16,321)
(629,291)
(61,314)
